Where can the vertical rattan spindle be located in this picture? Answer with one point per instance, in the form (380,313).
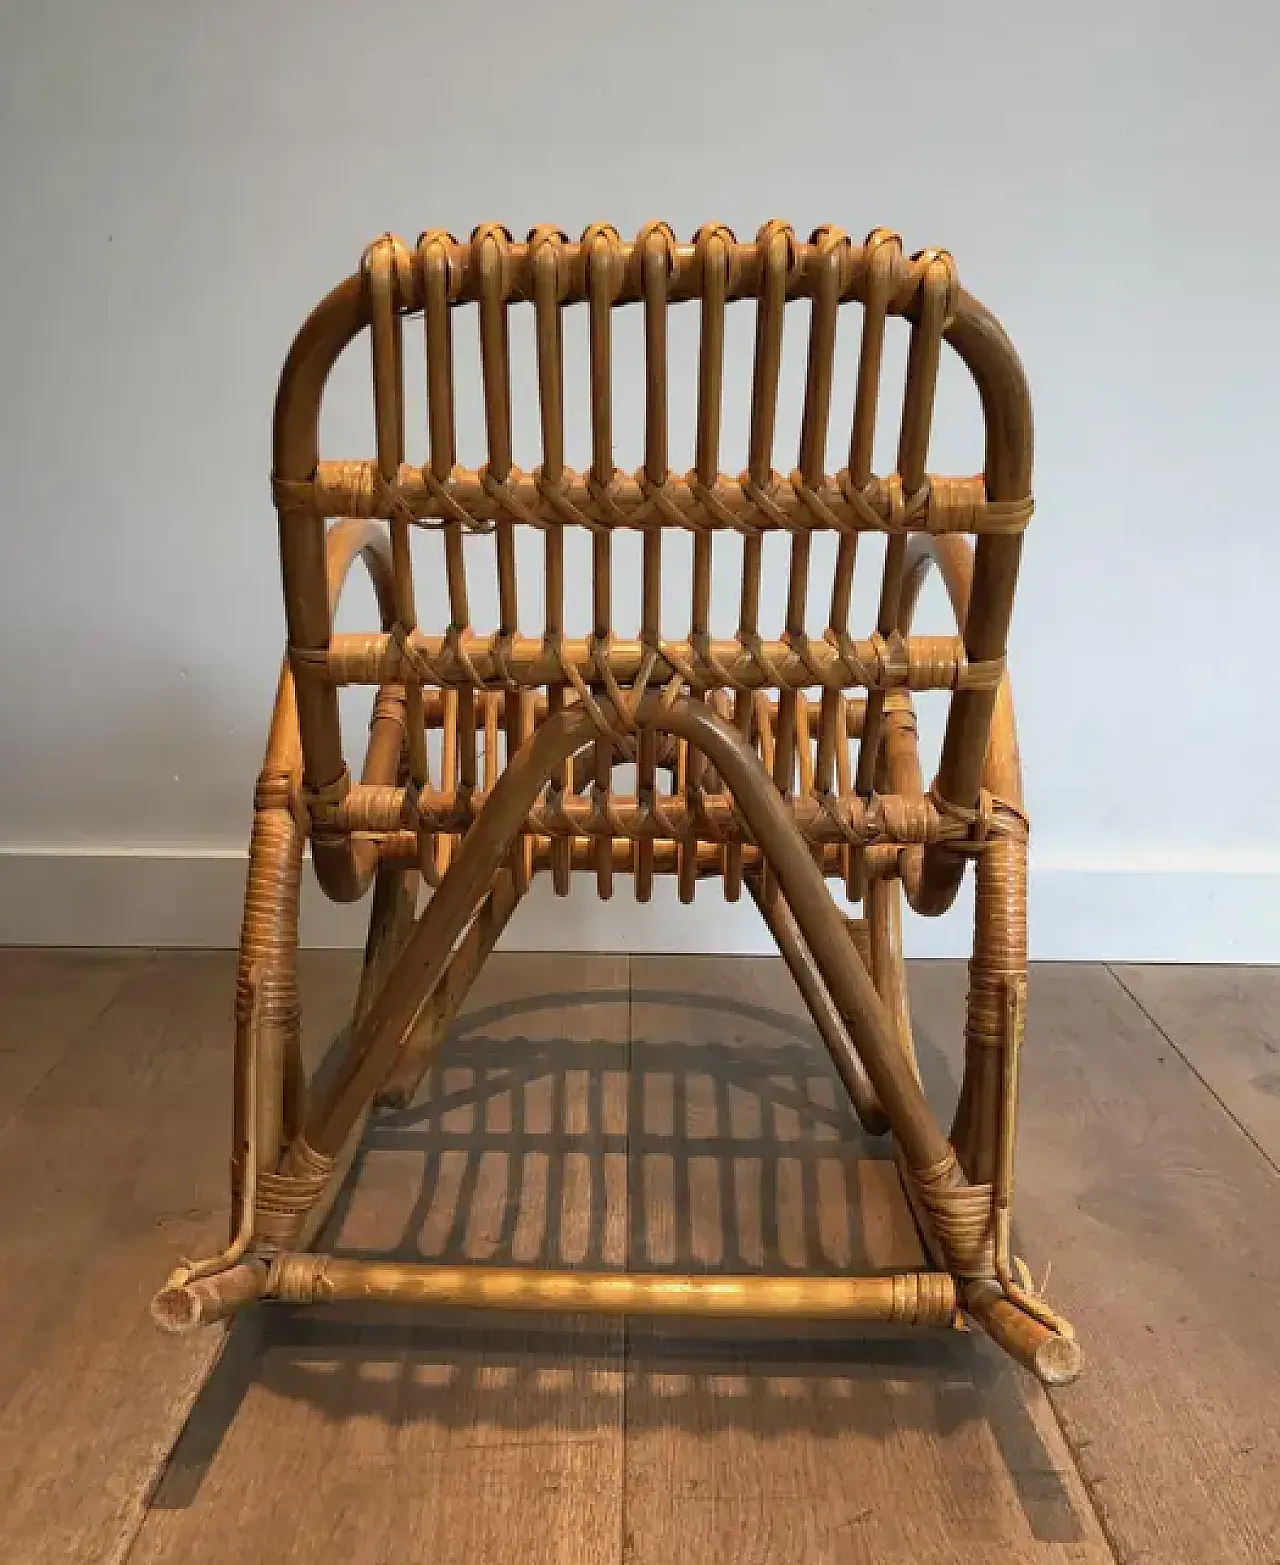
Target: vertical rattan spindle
(655,243)
(545,252)
(601,249)
(437,264)
(775,248)
(386,269)
(490,245)
(714,244)
(826,286)
(880,257)
(458,726)
(936,288)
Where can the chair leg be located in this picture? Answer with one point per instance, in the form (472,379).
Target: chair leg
(395,902)
(268,1086)
(395,910)
(888,966)
(999,958)
(782,926)
(270,1090)
(437,1015)
(984,1132)
(267,1022)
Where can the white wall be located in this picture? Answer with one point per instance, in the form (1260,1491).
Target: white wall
(182,181)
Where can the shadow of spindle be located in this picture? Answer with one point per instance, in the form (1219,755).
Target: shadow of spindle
(736,1156)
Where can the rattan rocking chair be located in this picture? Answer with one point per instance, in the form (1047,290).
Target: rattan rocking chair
(752,762)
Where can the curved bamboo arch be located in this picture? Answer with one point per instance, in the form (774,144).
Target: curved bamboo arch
(954,561)
(374,1046)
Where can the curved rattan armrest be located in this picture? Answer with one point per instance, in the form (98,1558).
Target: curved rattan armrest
(953,557)
(344,865)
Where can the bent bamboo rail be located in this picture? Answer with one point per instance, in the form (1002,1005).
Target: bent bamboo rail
(373,1048)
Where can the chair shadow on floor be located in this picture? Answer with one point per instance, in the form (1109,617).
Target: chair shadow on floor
(724,1147)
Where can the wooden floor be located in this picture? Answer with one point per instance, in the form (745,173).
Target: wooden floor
(653,1112)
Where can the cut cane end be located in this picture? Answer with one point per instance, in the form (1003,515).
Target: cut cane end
(177,1310)
(1058,1361)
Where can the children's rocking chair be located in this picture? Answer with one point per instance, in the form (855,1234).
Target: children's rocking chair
(770,759)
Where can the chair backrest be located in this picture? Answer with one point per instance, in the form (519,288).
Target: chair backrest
(549,274)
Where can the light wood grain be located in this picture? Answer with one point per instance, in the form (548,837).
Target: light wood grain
(90,1399)
(385,1435)
(1225,1022)
(48,1000)
(804,1446)
(1159,1217)
(373,1438)
(114,1166)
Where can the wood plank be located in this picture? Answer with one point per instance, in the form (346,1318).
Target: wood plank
(1159,1216)
(796,1445)
(1225,1022)
(373,1436)
(115,1165)
(48,999)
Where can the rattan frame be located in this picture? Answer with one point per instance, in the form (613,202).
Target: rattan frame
(771,788)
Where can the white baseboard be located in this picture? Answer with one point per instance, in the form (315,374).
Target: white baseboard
(149,898)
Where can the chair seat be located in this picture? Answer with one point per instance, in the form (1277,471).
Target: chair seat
(854,837)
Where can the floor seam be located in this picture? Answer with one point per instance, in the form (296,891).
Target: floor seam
(90,1025)
(1109,1539)
(624,1549)
(1104,1527)
(1198,1074)
(165,1462)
